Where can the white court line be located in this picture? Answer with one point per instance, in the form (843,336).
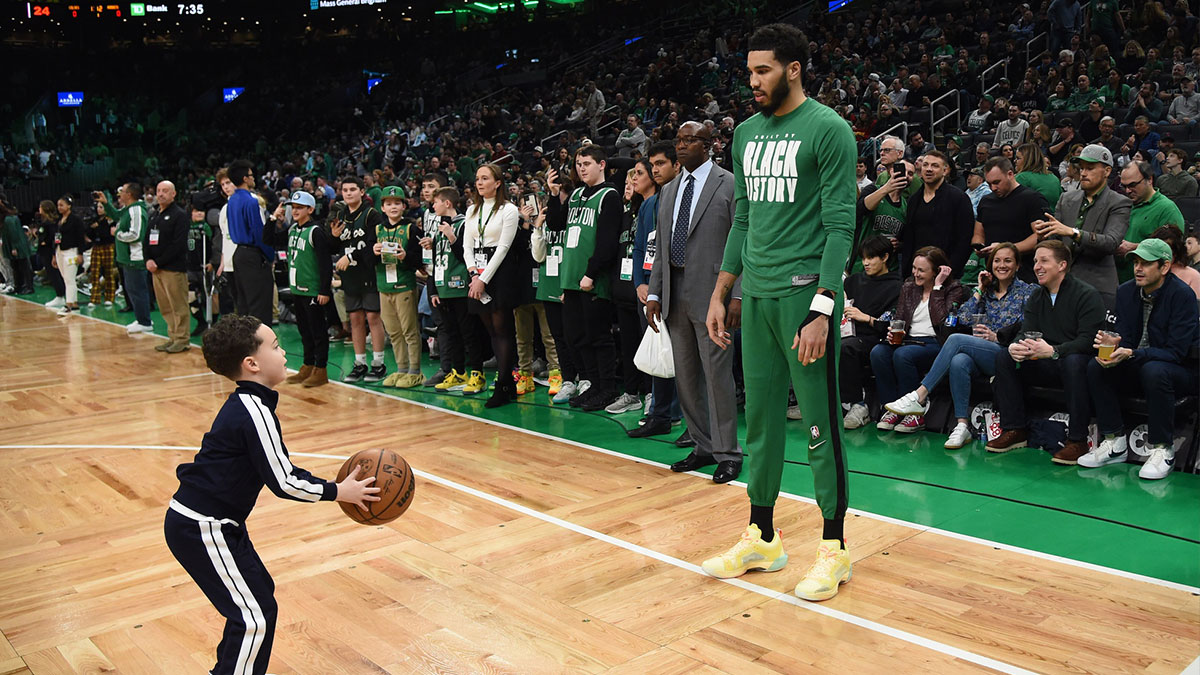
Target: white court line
(933,645)
(185,377)
(26,330)
(1192,668)
(807,500)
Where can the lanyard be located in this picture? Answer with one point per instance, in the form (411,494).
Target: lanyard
(484,223)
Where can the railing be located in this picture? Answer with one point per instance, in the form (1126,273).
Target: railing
(957,112)
(1029,55)
(556,134)
(983,76)
(876,139)
(609,123)
(481,99)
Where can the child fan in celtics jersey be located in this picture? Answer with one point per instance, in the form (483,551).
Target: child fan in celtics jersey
(310,276)
(398,257)
(447,288)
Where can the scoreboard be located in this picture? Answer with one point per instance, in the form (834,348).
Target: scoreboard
(123,10)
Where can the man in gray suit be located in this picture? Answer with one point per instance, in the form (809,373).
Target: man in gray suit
(1091,221)
(695,212)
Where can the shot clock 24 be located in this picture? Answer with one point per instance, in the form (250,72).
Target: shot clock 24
(65,10)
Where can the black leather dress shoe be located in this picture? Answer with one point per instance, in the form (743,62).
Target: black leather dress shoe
(648,429)
(727,471)
(685,440)
(692,462)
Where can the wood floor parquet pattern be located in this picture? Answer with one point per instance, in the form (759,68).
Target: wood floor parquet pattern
(464,585)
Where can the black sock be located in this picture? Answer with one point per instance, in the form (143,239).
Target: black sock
(763,517)
(834,529)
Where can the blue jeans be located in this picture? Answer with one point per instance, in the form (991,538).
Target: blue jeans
(898,369)
(963,356)
(139,292)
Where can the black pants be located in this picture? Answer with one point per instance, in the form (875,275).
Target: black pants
(443,339)
(588,321)
(254,283)
(314,333)
(854,366)
(52,274)
(568,360)
(634,380)
(1162,383)
(23,273)
(226,294)
(1011,381)
(462,330)
(222,561)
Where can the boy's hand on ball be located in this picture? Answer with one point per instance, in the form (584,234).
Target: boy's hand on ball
(357,492)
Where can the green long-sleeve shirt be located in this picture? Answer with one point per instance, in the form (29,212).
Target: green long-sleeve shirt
(795,191)
(16,244)
(132,234)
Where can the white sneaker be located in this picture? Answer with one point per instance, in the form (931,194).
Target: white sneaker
(1160,463)
(582,386)
(908,405)
(136,327)
(91,305)
(56,303)
(888,422)
(64,310)
(959,437)
(624,403)
(565,392)
(1110,451)
(793,413)
(108,303)
(857,416)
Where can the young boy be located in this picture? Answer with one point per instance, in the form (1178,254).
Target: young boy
(448,293)
(356,268)
(205,524)
(310,275)
(398,257)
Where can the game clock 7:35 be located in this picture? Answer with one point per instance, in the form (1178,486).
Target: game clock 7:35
(191,10)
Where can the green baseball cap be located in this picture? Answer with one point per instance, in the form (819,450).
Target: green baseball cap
(1152,250)
(392,192)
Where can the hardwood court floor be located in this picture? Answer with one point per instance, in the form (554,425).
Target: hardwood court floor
(519,555)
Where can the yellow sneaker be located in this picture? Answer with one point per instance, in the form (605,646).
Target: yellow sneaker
(475,383)
(750,553)
(392,380)
(410,380)
(525,382)
(555,381)
(831,570)
(453,382)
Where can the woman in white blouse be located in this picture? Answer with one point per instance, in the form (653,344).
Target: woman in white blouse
(488,233)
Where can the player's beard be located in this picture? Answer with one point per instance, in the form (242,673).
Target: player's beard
(775,97)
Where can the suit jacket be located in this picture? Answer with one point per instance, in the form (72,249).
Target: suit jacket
(1102,230)
(712,217)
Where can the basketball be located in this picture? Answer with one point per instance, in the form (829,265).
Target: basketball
(393,477)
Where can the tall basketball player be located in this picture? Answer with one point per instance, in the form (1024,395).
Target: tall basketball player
(793,167)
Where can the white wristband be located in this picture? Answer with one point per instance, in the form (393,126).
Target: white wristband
(822,304)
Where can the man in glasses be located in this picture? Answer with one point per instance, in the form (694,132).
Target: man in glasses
(1151,210)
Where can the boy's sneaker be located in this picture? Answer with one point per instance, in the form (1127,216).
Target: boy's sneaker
(555,381)
(910,424)
(598,399)
(56,303)
(751,553)
(888,421)
(391,380)
(136,327)
(793,413)
(436,378)
(831,570)
(908,405)
(409,380)
(525,383)
(624,403)
(1160,463)
(581,390)
(356,374)
(857,416)
(959,437)
(108,303)
(475,383)
(454,381)
(1111,451)
(376,373)
(566,391)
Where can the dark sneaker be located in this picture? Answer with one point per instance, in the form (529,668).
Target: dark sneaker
(356,374)
(377,373)
(436,378)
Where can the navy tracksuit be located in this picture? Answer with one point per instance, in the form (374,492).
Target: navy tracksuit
(205,524)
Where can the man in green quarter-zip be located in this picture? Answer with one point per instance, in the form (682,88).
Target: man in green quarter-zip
(794,187)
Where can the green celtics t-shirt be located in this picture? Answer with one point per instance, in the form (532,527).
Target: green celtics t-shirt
(795,191)
(1144,218)
(583,214)
(548,286)
(303,276)
(1045,183)
(394,276)
(450,275)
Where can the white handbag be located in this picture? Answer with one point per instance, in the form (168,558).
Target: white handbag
(654,355)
